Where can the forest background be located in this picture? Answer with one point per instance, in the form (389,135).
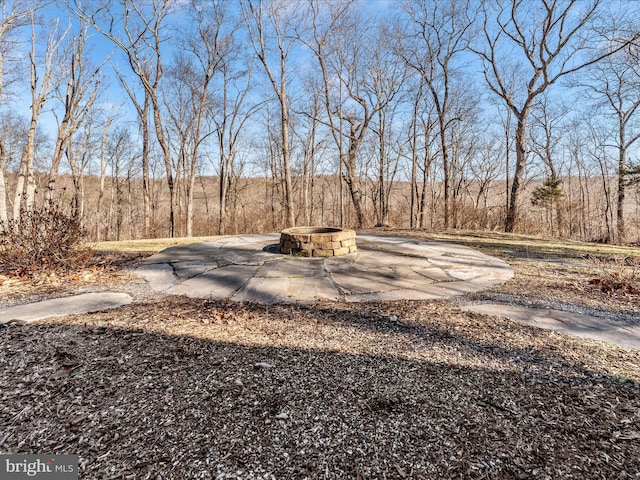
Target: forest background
(163,118)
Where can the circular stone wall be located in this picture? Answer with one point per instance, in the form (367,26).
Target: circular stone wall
(317,241)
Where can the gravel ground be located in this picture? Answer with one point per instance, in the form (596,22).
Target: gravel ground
(178,388)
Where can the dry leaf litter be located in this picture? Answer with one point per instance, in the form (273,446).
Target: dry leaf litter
(177,388)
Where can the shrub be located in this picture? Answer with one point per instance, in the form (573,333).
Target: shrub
(44,240)
(618,275)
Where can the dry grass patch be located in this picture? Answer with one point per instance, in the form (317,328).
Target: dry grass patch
(528,246)
(146,246)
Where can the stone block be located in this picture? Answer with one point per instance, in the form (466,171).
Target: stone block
(353,249)
(299,237)
(322,252)
(344,235)
(341,251)
(348,243)
(321,237)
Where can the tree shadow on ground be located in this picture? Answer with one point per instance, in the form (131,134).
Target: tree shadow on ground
(175,389)
(429,323)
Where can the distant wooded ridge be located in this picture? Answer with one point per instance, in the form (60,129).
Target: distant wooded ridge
(172,118)
(111,208)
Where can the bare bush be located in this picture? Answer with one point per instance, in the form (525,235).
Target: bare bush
(617,275)
(43,240)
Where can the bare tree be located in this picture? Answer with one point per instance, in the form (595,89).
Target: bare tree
(208,49)
(551,40)
(137,28)
(328,19)
(42,83)
(357,127)
(384,85)
(79,154)
(576,146)
(440,33)
(343,43)
(120,158)
(312,142)
(421,137)
(463,140)
(230,118)
(209,84)
(615,85)
(3,184)
(412,140)
(272,23)
(14,15)
(600,155)
(106,127)
(78,99)
(545,131)
(484,171)
(13,132)
(143,109)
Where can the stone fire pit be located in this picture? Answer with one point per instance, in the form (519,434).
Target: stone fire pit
(317,241)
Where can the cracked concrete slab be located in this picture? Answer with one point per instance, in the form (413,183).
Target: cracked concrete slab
(190,269)
(288,289)
(585,326)
(58,307)
(247,267)
(160,275)
(221,283)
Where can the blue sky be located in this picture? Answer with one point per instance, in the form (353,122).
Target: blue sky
(100,47)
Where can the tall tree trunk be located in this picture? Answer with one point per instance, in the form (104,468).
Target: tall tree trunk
(139,35)
(99,203)
(507,163)
(78,100)
(4,218)
(309,169)
(413,140)
(166,155)
(288,183)
(254,17)
(39,94)
(622,167)
(351,180)
(384,210)
(190,187)
(146,193)
(444,150)
(19,193)
(518,174)
(223,183)
(55,162)
(25,187)
(30,191)
(414,189)
(423,193)
(305,190)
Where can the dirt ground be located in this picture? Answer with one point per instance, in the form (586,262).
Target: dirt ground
(178,388)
